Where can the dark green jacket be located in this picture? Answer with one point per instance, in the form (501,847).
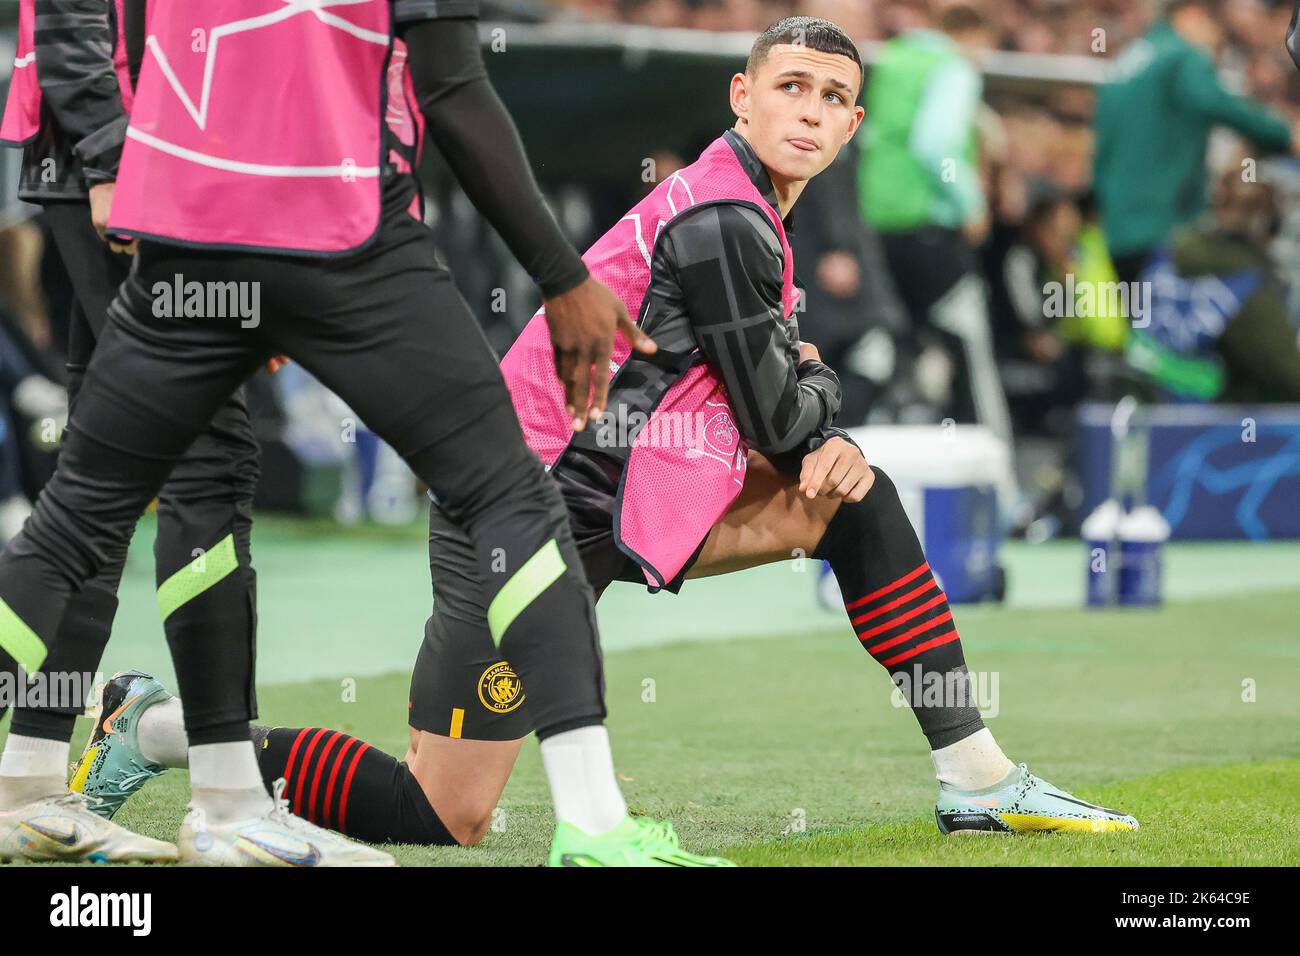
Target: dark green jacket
(1259,350)
(1153,122)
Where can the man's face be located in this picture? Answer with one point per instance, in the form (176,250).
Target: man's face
(798,110)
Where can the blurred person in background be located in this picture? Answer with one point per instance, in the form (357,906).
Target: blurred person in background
(33,407)
(1219,330)
(33,410)
(1042,372)
(920,187)
(1153,122)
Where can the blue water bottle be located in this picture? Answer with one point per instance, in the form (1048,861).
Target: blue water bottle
(1100,533)
(1142,536)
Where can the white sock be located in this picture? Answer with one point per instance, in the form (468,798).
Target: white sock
(226,783)
(161,733)
(32,768)
(972,763)
(580,769)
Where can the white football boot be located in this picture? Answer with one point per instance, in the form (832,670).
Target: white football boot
(277,839)
(63,828)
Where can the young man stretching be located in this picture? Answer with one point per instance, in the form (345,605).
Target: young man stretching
(704,263)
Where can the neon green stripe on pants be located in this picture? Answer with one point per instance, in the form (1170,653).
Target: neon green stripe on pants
(537,574)
(203,572)
(19,641)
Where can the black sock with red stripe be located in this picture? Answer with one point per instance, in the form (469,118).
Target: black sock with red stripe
(343,783)
(899,612)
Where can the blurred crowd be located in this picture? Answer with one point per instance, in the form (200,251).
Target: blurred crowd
(1025,26)
(939,254)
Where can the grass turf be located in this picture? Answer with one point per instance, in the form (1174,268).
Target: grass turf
(789,751)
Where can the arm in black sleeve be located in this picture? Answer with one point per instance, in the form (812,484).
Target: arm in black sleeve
(791,462)
(728,262)
(477,137)
(133,14)
(74,64)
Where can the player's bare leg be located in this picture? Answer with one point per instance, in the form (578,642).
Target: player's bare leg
(902,618)
(770,521)
(462,779)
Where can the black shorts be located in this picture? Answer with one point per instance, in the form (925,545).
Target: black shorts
(461,686)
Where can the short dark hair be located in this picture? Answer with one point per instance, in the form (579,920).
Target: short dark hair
(813,32)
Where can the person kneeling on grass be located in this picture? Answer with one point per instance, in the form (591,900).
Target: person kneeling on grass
(737,464)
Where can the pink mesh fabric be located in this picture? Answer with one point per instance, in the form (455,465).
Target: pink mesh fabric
(22,119)
(283,113)
(687,466)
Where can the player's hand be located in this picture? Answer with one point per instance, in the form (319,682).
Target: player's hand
(808,353)
(583,324)
(837,469)
(101,207)
(275,363)
(101,204)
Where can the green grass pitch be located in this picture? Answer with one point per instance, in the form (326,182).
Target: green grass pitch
(779,744)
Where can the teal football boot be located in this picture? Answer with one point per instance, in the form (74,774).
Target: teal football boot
(113,766)
(1023,803)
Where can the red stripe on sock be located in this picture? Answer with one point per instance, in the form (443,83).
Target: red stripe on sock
(881,592)
(306,767)
(293,754)
(347,788)
(945,638)
(315,780)
(911,632)
(896,602)
(334,775)
(905,616)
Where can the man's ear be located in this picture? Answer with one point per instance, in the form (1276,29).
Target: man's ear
(740,97)
(858,114)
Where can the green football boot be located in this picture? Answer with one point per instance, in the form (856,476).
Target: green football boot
(112,766)
(636,841)
(1023,803)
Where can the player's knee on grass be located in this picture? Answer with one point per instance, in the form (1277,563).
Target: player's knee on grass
(468,720)
(467,820)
